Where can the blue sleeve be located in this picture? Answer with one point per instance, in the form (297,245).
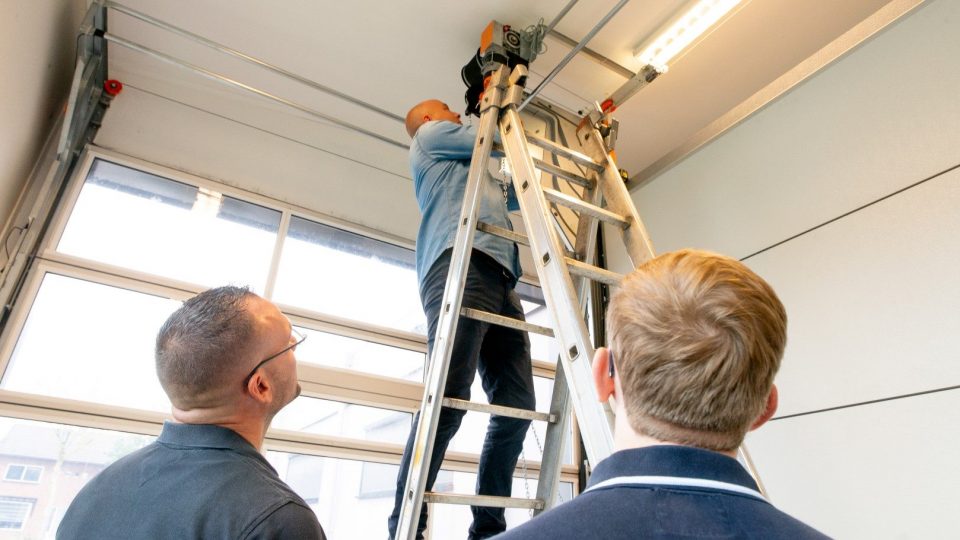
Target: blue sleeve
(446,140)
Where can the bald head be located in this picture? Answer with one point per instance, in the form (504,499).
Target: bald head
(425,111)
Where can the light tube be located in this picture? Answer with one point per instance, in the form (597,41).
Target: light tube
(683,31)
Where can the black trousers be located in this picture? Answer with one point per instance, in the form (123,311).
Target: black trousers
(502,357)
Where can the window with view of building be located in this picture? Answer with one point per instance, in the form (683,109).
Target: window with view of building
(23,473)
(68,456)
(14,512)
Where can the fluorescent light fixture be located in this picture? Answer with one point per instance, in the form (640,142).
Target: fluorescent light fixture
(683,31)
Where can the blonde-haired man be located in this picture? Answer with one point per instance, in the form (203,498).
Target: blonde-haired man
(695,342)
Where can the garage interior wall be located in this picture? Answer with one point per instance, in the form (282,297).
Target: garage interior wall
(843,194)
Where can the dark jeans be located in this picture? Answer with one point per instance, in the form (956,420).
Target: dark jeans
(502,356)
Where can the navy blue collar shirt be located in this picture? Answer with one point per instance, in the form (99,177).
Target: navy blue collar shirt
(666,492)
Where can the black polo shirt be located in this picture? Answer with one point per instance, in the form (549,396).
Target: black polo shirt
(195,481)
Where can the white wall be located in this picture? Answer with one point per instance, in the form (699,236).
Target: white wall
(871,294)
(37,50)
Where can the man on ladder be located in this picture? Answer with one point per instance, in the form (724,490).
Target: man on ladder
(440,161)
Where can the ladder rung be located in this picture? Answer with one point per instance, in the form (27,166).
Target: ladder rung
(482,500)
(498,410)
(562,173)
(484,316)
(503,233)
(585,208)
(559,150)
(595,273)
(509,235)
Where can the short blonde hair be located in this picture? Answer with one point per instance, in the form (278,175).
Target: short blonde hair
(697,339)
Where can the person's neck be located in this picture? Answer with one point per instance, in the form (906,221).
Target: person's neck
(626,438)
(251,429)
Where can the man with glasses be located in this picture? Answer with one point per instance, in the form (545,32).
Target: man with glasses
(226,361)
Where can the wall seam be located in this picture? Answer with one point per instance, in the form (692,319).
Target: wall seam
(854,211)
(870,402)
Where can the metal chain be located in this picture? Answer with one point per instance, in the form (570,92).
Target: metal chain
(540,448)
(523,468)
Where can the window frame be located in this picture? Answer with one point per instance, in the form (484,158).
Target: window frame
(30,504)
(6,473)
(319,381)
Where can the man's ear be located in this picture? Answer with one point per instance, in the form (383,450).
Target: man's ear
(772,401)
(602,380)
(260,388)
(426,118)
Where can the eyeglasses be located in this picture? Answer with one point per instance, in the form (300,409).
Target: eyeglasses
(610,368)
(297,338)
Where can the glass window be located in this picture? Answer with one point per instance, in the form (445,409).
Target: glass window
(14,472)
(535,311)
(69,456)
(23,473)
(453,521)
(313,415)
(144,222)
(473,429)
(90,342)
(14,512)
(352,499)
(329,270)
(349,353)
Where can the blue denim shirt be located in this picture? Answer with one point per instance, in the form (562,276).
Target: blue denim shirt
(440,160)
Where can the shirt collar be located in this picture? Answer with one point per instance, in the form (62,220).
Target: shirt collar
(673,461)
(206,436)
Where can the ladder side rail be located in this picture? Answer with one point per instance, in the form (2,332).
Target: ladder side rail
(555,440)
(449,313)
(635,237)
(576,350)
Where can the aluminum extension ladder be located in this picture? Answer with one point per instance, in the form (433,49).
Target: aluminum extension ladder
(563,277)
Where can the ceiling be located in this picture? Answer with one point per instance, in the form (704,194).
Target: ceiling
(394,54)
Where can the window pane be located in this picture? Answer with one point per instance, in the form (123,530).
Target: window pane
(535,311)
(14,472)
(69,456)
(343,352)
(352,499)
(312,415)
(144,222)
(14,512)
(32,474)
(328,270)
(453,521)
(90,342)
(473,429)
